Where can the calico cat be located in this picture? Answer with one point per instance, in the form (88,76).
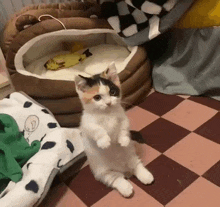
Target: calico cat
(105,131)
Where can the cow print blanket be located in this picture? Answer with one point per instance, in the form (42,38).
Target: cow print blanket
(60,148)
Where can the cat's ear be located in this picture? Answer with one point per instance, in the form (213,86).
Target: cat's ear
(81,83)
(111,74)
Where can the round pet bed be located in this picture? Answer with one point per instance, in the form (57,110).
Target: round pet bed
(31,47)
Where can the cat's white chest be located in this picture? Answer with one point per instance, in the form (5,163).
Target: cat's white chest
(111,124)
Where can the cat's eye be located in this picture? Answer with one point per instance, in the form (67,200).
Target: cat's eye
(97,97)
(112,92)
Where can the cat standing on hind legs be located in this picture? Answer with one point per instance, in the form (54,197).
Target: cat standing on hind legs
(105,132)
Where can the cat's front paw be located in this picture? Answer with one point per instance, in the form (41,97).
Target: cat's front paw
(104,142)
(124,141)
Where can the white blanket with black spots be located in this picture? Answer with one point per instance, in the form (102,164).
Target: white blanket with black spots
(60,148)
(138,21)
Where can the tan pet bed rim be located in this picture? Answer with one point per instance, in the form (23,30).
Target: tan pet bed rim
(50,90)
(49,26)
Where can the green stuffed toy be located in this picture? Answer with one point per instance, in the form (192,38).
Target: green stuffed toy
(14,151)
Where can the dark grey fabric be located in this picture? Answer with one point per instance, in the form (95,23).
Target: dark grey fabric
(191,64)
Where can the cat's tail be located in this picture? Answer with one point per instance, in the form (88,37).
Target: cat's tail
(136,136)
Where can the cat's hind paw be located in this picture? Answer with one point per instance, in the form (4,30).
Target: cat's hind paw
(144,175)
(124,187)
(104,142)
(147,178)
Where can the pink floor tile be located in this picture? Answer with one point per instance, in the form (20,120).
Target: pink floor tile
(195,152)
(146,153)
(151,91)
(139,118)
(190,115)
(201,193)
(184,96)
(140,199)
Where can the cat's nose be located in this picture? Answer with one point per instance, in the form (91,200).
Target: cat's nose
(109,104)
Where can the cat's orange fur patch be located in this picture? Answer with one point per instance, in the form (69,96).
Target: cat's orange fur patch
(90,93)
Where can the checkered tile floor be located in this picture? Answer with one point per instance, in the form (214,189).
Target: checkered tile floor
(182,151)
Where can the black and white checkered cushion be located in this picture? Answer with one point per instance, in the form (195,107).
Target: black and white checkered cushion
(129,17)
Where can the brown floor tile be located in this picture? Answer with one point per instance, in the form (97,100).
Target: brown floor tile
(160,104)
(213,174)
(170,179)
(211,129)
(61,196)
(72,171)
(163,134)
(87,188)
(212,103)
(55,187)
(54,195)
